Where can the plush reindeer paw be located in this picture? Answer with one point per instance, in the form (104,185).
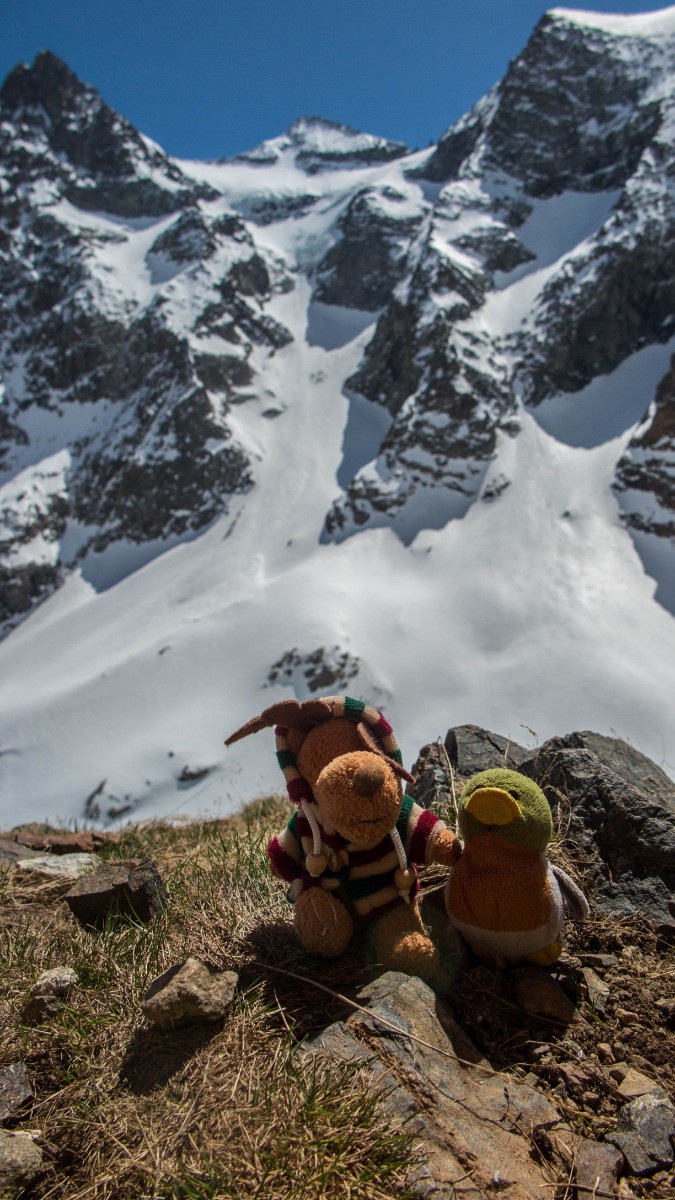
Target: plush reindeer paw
(446,848)
(324,926)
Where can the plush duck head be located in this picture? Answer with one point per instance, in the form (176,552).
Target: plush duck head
(503,896)
(507,804)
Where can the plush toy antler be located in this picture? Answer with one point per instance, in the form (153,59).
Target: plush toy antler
(289,713)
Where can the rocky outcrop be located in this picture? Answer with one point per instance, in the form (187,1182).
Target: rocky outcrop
(362,269)
(645,474)
(59,129)
(472,1125)
(583,109)
(618,808)
(316,145)
(115,411)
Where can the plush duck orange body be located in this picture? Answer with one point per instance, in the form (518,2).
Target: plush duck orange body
(504,896)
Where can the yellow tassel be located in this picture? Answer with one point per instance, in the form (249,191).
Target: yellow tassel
(316,864)
(404,879)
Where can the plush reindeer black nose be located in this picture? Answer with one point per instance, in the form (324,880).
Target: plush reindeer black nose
(368,779)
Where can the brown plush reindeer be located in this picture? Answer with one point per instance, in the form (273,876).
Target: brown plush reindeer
(349,849)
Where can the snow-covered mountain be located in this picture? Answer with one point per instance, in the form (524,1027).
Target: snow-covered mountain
(336,416)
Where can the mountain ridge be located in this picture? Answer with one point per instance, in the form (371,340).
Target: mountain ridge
(326,379)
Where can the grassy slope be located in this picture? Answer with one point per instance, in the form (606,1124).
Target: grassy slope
(227,1111)
(224,1111)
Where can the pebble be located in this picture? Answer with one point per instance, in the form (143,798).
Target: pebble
(598,991)
(189,994)
(605,1052)
(539,994)
(55,982)
(645,1132)
(20,1161)
(15,1089)
(596,1168)
(625,1017)
(599,962)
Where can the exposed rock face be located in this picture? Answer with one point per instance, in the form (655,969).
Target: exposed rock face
(363,267)
(100,160)
(316,671)
(529,253)
(622,807)
(114,420)
(580,110)
(317,144)
(645,475)
(463,1117)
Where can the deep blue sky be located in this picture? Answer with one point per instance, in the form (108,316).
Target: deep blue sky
(207,78)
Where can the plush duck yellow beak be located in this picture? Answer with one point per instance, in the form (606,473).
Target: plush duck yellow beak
(493,806)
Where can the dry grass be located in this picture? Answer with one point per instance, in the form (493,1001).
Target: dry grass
(226,1111)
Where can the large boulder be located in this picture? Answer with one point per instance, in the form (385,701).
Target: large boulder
(621,806)
(467,1119)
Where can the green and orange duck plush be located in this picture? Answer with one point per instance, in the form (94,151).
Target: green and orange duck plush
(503,896)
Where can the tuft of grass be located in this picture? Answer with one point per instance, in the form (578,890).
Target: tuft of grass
(127,1112)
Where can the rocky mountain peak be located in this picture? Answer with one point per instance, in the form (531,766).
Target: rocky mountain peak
(318,144)
(56,127)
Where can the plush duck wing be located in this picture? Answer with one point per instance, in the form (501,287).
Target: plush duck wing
(574,899)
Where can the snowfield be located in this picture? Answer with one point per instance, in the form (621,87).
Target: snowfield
(529,611)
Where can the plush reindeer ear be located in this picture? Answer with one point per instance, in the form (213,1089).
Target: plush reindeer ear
(371,743)
(288,713)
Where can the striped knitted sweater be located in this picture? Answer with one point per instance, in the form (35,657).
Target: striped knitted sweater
(364,878)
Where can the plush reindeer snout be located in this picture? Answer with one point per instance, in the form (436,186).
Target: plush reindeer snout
(368,779)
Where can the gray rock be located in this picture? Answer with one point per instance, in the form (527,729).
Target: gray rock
(15,1089)
(465,1117)
(20,1162)
(56,982)
(645,1133)
(189,994)
(627,834)
(540,995)
(59,866)
(40,1009)
(596,1169)
(472,749)
(131,887)
(598,991)
(632,765)
(11,852)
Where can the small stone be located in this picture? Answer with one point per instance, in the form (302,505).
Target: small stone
(15,1090)
(666,932)
(645,1132)
(590,1099)
(534,1051)
(20,1161)
(596,1168)
(40,1009)
(189,994)
(625,1018)
(56,982)
(11,852)
(605,1052)
(599,962)
(539,994)
(634,1083)
(132,887)
(598,991)
(85,842)
(55,866)
(618,1070)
